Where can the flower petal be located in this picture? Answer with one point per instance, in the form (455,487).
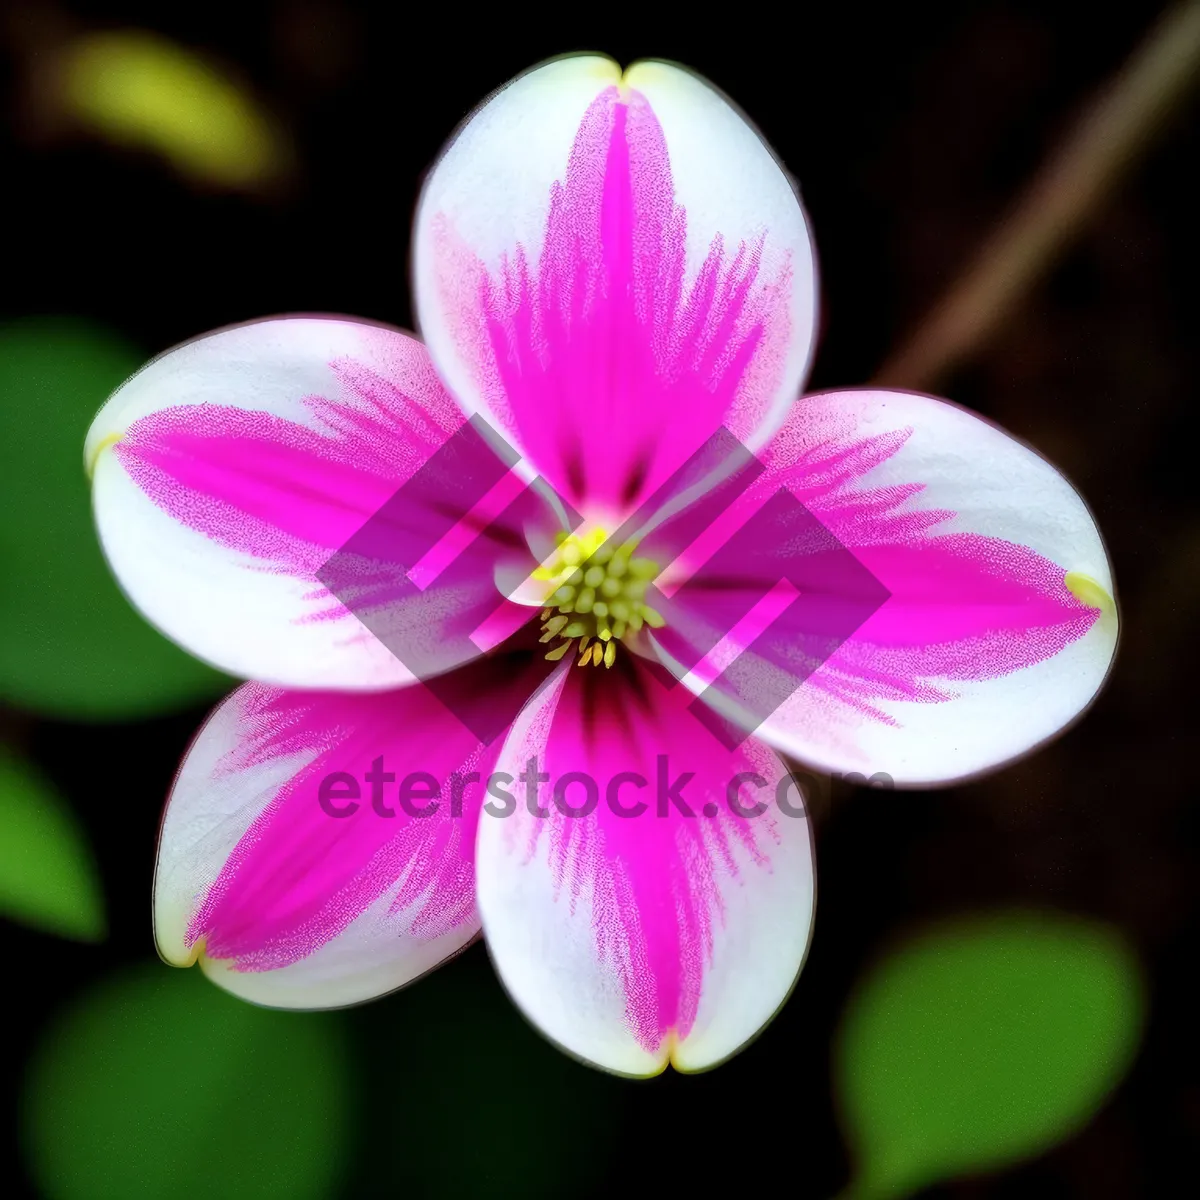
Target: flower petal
(991,624)
(298,881)
(636,937)
(231,471)
(612,267)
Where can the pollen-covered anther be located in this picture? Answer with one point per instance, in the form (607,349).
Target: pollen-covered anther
(595,597)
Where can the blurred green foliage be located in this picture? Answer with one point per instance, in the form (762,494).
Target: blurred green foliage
(72,646)
(48,879)
(156,1083)
(980,1042)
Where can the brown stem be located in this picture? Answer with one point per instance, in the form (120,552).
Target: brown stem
(1118,128)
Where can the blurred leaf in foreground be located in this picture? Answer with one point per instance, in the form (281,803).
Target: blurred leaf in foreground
(156,1083)
(142,90)
(71,646)
(980,1042)
(47,876)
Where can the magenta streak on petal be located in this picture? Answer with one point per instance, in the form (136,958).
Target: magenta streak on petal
(291,497)
(284,493)
(597,351)
(654,883)
(299,876)
(962,607)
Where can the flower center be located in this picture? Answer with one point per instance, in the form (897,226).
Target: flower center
(596,597)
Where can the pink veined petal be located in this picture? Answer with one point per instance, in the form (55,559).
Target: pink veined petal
(998,626)
(613,267)
(230,470)
(317,848)
(654,936)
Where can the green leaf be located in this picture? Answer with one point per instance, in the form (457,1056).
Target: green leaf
(71,645)
(47,877)
(156,1083)
(981,1042)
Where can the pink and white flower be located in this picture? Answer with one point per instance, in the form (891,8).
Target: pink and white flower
(611,267)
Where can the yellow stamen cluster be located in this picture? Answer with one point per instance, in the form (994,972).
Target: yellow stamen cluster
(596,597)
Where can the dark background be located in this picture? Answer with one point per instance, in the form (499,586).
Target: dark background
(911,128)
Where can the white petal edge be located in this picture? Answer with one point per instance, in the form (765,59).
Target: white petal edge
(216,602)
